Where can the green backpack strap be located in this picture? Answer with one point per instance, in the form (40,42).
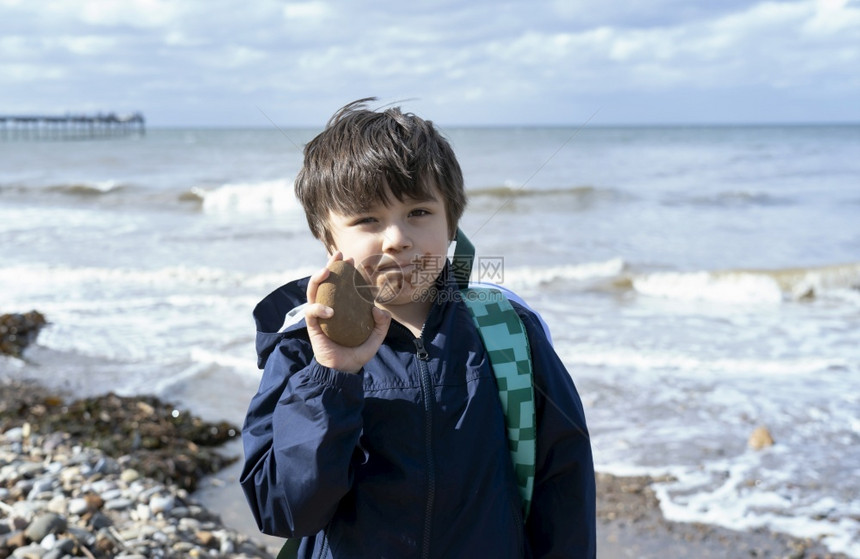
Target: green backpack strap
(290,549)
(505,338)
(508,349)
(461,263)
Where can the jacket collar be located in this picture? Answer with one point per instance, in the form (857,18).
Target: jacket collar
(444,292)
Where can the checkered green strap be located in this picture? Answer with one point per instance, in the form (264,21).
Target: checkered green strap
(507,346)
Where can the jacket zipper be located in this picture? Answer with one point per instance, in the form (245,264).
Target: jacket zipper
(427,394)
(324,548)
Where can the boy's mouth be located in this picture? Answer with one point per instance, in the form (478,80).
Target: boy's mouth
(388,266)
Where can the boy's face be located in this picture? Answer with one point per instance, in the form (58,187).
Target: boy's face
(400,248)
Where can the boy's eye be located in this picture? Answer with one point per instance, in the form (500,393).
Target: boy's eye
(419,212)
(363,220)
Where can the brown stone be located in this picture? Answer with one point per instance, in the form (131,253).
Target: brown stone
(94,501)
(348,294)
(206,538)
(760,438)
(105,544)
(16,540)
(17,331)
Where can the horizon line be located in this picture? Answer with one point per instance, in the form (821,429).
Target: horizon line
(702,124)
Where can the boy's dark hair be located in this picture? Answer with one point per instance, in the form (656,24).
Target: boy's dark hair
(363,155)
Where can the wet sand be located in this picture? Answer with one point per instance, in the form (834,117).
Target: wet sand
(630,524)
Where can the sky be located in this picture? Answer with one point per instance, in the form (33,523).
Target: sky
(475,62)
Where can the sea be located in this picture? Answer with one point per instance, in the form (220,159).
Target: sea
(699,282)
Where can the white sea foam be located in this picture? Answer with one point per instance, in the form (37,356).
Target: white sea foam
(165,385)
(530,277)
(645,360)
(274,196)
(704,286)
(726,493)
(751,490)
(698,423)
(753,286)
(40,279)
(127,315)
(238,362)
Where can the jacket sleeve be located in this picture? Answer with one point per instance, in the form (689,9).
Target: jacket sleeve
(562,520)
(300,435)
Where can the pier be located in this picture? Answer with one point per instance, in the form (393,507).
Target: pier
(70,126)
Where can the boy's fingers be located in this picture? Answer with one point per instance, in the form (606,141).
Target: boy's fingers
(315,311)
(314,283)
(380,316)
(382,320)
(320,277)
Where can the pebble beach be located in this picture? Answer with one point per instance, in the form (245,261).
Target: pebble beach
(61,496)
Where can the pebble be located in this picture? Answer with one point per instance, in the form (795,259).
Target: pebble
(129,475)
(61,500)
(78,506)
(760,438)
(44,524)
(32,551)
(119,503)
(162,503)
(18,330)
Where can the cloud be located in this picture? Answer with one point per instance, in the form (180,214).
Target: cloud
(109,13)
(769,44)
(476,61)
(304,11)
(87,45)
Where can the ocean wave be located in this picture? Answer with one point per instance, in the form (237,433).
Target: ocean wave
(507,191)
(586,272)
(97,188)
(237,360)
(267,196)
(575,197)
(271,196)
(82,189)
(730,199)
(740,286)
(753,286)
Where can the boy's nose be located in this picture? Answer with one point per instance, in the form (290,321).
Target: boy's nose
(395,238)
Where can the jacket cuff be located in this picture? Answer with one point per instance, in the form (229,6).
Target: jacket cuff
(335,378)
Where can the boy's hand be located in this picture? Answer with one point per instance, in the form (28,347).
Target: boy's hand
(327,352)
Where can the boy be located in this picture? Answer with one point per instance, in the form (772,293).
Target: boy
(397,448)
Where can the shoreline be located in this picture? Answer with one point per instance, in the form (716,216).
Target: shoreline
(630,523)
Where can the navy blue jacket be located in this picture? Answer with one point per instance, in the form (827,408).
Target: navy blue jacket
(409,458)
